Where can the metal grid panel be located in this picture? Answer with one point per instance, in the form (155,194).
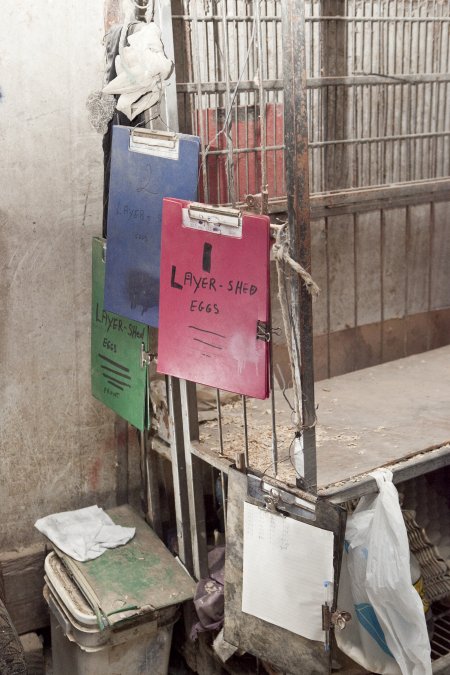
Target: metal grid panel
(383,117)
(378,77)
(230,92)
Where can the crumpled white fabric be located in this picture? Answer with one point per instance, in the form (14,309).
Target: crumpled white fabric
(141,69)
(84,534)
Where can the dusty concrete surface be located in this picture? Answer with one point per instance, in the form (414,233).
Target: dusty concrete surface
(56,442)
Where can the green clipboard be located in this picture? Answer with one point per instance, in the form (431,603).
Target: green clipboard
(118,378)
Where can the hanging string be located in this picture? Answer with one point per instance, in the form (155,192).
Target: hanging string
(281,253)
(284,260)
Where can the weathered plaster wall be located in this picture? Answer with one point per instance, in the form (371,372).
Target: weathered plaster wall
(57,448)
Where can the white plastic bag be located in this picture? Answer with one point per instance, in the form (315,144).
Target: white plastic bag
(388,632)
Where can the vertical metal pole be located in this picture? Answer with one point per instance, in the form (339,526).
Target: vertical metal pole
(164,21)
(219,419)
(244,412)
(228,123)
(180,487)
(150,461)
(194,481)
(262,102)
(297,189)
(200,109)
(121,437)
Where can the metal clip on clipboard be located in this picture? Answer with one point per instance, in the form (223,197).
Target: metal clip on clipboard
(263,331)
(277,500)
(147,358)
(156,143)
(218,220)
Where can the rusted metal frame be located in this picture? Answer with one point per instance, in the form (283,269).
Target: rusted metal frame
(203,452)
(297,188)
(368,199)
(349,201)
(380,139)
(318,82)
(403,470)
(194,478)
(427,187)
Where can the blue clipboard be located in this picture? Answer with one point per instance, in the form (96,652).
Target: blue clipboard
(146,166)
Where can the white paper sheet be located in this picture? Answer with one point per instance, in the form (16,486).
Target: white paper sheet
(286,563)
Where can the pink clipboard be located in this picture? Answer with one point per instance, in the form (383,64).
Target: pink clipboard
(214,297)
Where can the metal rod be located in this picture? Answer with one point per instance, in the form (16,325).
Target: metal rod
(262,104)
(219,418)
(369,79)
(380,139)
(224,499)
(316,19)
(197,75)
(244,411)
(228,103)
(273,412)
(297,188)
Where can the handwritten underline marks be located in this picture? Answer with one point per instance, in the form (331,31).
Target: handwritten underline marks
(113,381)
(207,332)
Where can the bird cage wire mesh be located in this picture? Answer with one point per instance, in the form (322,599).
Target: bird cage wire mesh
(377,76)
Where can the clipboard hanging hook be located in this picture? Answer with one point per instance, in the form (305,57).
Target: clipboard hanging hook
(272,500)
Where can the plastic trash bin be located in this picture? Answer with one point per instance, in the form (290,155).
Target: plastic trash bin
(114,615)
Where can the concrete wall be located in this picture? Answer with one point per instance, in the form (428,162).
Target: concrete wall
(57,448)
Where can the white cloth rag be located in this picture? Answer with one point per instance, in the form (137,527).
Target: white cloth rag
(84,534)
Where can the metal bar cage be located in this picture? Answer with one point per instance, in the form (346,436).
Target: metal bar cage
(377,78)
